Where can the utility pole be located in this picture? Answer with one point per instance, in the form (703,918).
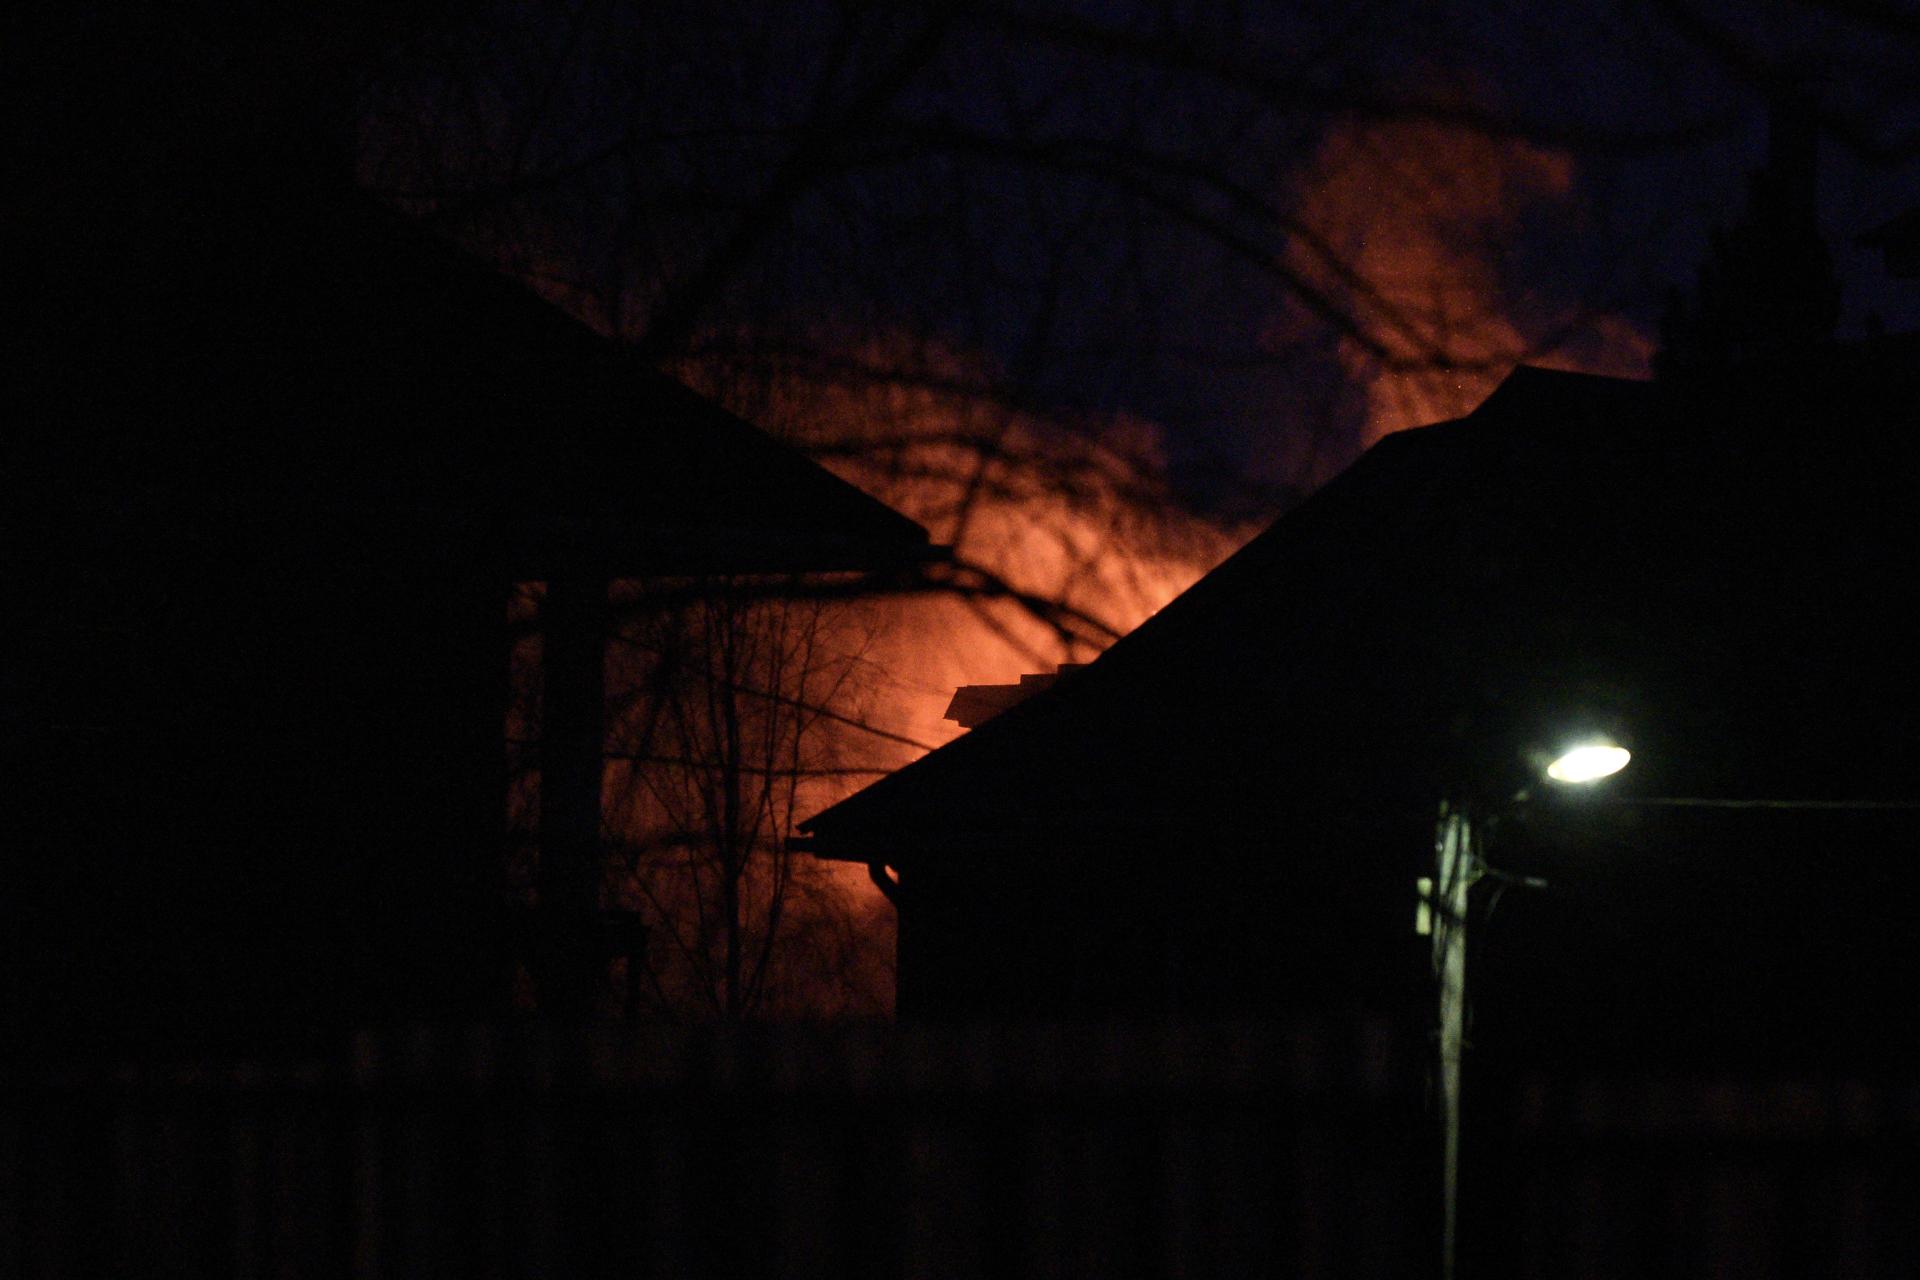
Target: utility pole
(1443,916)
(568,951)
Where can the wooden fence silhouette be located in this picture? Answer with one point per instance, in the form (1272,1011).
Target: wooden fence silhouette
(1298,1150)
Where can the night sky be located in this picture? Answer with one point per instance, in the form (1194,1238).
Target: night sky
(1106,209)
(1113,208)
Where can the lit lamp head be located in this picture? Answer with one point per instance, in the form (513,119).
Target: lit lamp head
(1588,761)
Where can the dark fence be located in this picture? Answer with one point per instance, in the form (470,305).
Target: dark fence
(1303,1150)
(1218,1151)
(1752,1176)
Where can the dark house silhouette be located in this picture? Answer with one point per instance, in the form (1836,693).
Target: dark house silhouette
(1898,240)
(275,459)
(1226,812)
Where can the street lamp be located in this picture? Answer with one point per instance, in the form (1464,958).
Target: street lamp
(1588,762)
(1458,865)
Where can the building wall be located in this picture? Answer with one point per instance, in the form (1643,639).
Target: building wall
(1252,924)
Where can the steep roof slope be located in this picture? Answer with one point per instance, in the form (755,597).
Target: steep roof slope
(307,341)
(1703,564)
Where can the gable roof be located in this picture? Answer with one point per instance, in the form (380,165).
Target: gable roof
(306,337)
(1704,561)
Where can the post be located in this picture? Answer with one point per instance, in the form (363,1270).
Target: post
(1456,866)
(573,637)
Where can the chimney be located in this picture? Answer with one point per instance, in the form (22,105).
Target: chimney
(1767,288)
(1899,244)
(975,704)
(1793,161)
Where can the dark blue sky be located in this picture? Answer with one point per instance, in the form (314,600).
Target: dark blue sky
(1093,199)
(1101,207)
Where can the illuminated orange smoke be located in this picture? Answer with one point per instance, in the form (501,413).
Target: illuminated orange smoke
(1407,225)
(1076,513)
(1077,516)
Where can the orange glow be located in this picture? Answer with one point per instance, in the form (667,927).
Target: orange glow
(1409,225)
(1075,513)
(1055,513)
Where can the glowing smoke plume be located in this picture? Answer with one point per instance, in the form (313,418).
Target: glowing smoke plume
(1076,515)
(1408,226)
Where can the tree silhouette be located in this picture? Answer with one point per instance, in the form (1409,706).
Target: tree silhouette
(722,742)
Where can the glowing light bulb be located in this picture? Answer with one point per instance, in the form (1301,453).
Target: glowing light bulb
(1589,762)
